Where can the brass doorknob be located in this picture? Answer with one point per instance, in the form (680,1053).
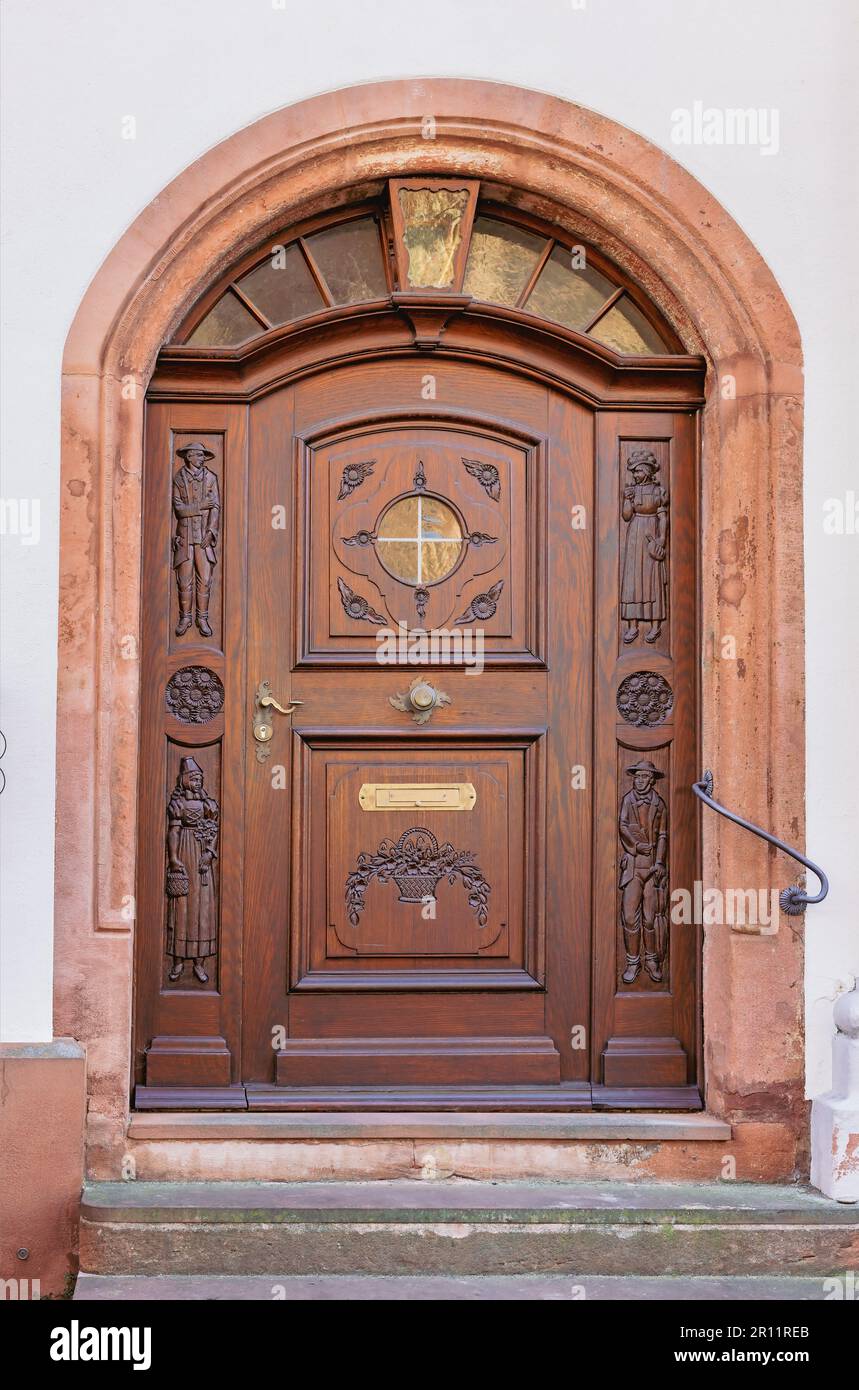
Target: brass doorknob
(420,700)
(422,696)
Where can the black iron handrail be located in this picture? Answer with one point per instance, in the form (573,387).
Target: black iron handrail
(792,900)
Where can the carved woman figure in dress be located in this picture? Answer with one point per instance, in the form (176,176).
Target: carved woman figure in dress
(192,836)
(644,582)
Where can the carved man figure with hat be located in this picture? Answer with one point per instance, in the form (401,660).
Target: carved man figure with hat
(192,837)
(197,507)
(643,827)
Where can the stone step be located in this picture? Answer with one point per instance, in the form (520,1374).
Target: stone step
(510,1288)
(461,1228)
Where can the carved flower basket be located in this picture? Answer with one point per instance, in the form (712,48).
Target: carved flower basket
(415,887)
(417,864)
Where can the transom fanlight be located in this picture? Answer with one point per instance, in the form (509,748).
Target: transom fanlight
(430,235)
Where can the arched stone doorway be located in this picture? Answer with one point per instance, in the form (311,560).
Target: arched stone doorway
(612,191)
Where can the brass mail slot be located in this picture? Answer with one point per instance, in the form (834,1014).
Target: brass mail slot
(417,796)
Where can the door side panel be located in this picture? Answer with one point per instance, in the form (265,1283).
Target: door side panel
(645,1028)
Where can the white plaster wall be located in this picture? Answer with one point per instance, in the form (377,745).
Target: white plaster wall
(193,71)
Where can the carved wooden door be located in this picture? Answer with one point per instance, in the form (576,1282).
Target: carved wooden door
(443,878)
(426,806)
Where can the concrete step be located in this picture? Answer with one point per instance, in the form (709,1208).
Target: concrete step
(360,1288)
(461,1228)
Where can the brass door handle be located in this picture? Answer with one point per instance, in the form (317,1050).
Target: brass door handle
(420,700)
(267,700)
(262,725)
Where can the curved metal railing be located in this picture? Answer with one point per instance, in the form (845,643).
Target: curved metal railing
(793,900)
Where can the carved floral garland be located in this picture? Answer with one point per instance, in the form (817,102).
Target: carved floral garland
(417,864)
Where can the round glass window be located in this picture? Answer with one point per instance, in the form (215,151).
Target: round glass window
(419,540)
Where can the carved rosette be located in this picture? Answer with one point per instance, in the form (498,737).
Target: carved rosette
(352,478)
(417,864)
(357,607)
(645,699)
(194,695)
(487,475)
(363,537)
(482,606)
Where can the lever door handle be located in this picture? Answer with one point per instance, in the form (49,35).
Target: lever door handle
(266,700)
(262,725)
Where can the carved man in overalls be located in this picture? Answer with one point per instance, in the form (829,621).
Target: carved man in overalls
(643,830)
(197,506)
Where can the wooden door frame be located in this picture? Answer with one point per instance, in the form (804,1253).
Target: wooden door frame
(628,198)
(652,399)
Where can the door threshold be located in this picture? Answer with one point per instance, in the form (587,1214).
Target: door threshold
(566,1097)
(357,1100)
(592,1125)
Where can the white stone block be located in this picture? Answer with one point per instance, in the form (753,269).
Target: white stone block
(835,1116)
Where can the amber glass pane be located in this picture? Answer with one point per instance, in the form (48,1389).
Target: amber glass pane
(401,558)
(568,296)
(438,520)
(625,329)
(350,258)
(432,233)
(226,325)
(282,287)
(438,558)
(401,520)
(501,260)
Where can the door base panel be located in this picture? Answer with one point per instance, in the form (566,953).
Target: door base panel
(662,1060)
(176,1061)
(388,1062)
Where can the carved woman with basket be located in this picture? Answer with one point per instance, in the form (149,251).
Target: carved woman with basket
(192,836)
(644,581)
